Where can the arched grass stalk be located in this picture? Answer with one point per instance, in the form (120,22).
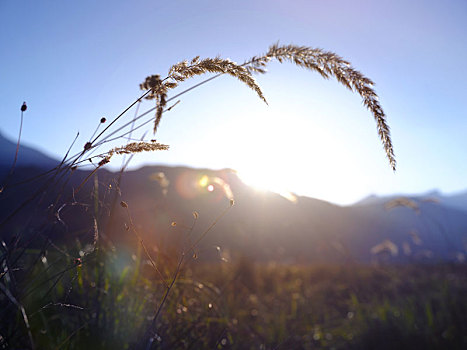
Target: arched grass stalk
(326,63)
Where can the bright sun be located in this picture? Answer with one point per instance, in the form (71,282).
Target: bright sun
(283,152)
(264,179)
(294,158)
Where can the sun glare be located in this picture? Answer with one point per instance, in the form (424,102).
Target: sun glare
(264,180)
(283,151)
(294,157)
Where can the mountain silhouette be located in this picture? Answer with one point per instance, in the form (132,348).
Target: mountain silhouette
(457,200)
(267,226)
(262,225)
(27,156)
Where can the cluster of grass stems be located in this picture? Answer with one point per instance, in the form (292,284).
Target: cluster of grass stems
(59,294)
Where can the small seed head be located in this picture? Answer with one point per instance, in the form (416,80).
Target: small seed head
(104,161)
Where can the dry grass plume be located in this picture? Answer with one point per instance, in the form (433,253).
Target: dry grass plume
(326,63)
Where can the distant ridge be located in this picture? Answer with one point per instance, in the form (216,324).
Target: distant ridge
(456,200)
(261,225)
(27,156)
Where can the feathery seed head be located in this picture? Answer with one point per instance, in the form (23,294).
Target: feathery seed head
(136,147)
(326,63)
(329,64)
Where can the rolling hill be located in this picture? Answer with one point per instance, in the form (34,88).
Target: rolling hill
(27,156)
(262,225)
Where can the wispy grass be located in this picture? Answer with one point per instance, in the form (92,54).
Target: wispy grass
(45,280)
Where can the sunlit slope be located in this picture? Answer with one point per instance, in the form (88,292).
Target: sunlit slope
(267,226)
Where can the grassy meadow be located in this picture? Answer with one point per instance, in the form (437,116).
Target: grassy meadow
(242,305)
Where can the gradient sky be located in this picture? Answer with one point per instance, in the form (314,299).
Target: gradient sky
(74,62)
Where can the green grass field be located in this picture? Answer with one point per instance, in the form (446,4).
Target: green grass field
(239,305)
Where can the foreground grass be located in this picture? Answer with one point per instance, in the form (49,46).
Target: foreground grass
(242,306)
(94,297)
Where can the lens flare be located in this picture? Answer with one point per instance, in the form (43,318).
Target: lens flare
(191,184)
(267,181)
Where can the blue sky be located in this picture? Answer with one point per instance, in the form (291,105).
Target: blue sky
(74,62)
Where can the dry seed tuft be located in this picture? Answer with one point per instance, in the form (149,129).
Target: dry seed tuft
(123,204)
(402,202)
(159,93)
(136,147)
(185,70)
(104,161)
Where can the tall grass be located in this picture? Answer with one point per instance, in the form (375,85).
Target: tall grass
(88,292)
